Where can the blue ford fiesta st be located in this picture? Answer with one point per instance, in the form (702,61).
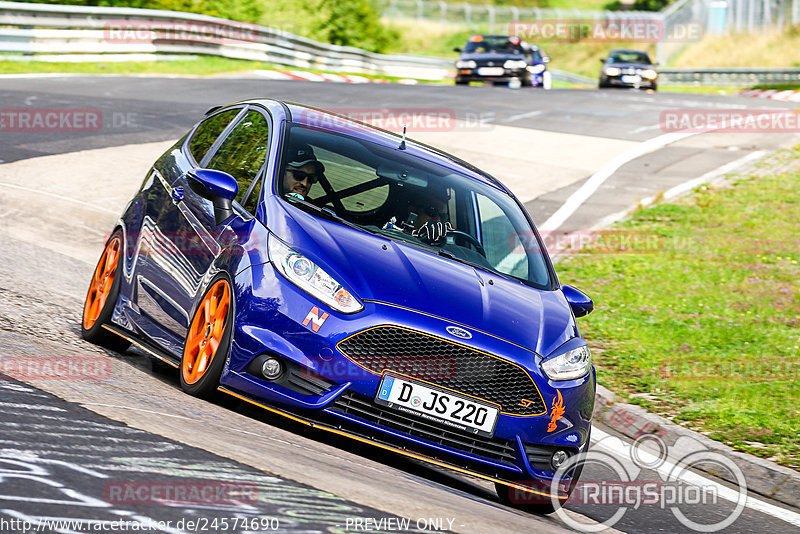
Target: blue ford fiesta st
(357,282)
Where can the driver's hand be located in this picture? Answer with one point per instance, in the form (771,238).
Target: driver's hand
(433,233)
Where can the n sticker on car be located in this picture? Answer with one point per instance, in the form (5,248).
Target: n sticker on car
(315,319)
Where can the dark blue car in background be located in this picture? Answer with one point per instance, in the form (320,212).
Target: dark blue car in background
(352,280)
(502,60)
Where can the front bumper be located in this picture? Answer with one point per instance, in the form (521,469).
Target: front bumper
(471,75)
(616,81)
(340,397)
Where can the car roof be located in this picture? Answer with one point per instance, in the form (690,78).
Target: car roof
(319,118)
(627,50)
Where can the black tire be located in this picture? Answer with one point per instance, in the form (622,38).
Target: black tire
(206,385)
(462,82)
(95,333)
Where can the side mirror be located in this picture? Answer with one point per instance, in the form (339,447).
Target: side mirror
(579,301)
(217,186)
(602,61)
(457,49)
(546,59)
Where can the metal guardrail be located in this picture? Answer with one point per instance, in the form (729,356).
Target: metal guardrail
(64,29)
(731,76)
(571,78)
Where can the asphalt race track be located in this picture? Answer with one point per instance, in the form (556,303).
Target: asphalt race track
(73,448)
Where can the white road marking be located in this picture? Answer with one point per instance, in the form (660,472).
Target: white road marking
(597,179)
(685,187)
(646,128)
(60,197)
(514,118)
(40,75)
(622,449)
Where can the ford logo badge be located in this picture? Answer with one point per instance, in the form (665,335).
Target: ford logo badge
(459,332)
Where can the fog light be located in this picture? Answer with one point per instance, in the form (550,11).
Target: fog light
(271,368)
(558,459)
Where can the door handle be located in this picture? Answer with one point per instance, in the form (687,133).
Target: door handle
(177,194)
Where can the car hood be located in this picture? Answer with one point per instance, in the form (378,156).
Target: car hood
(379,269)
(483,57)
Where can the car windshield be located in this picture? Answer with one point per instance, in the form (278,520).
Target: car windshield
(629,57)
(493,44)
(392,193)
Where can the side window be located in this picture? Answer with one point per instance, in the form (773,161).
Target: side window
(208,131)
(504,249)
(243,152)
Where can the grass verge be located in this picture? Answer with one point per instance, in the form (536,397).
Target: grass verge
(200,66)
(766,49)
(703,325)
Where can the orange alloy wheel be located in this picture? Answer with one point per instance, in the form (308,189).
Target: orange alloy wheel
(205,333)
(101,284)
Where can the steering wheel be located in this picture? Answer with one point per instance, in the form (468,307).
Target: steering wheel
(469,239)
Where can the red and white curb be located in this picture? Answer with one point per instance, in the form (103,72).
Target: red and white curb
(314,76)
(774,94)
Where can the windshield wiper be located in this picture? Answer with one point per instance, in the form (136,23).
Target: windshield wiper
(451,256)
(325,212)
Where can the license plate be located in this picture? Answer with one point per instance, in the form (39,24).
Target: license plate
(439,405)
(631,79)
(490,71)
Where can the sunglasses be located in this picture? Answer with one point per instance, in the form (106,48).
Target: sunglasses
(301,175)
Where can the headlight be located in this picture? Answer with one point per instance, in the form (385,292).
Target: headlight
(466,64)
(570,365)
(613,71)
(536,69)
(310,278)
(515,64)
(650,74)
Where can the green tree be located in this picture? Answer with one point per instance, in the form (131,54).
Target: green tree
(357,23)
(649,5)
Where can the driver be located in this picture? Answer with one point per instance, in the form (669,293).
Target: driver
(302,171)
(427,217)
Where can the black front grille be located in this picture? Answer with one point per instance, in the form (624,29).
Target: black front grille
(447,364)
(497,449)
